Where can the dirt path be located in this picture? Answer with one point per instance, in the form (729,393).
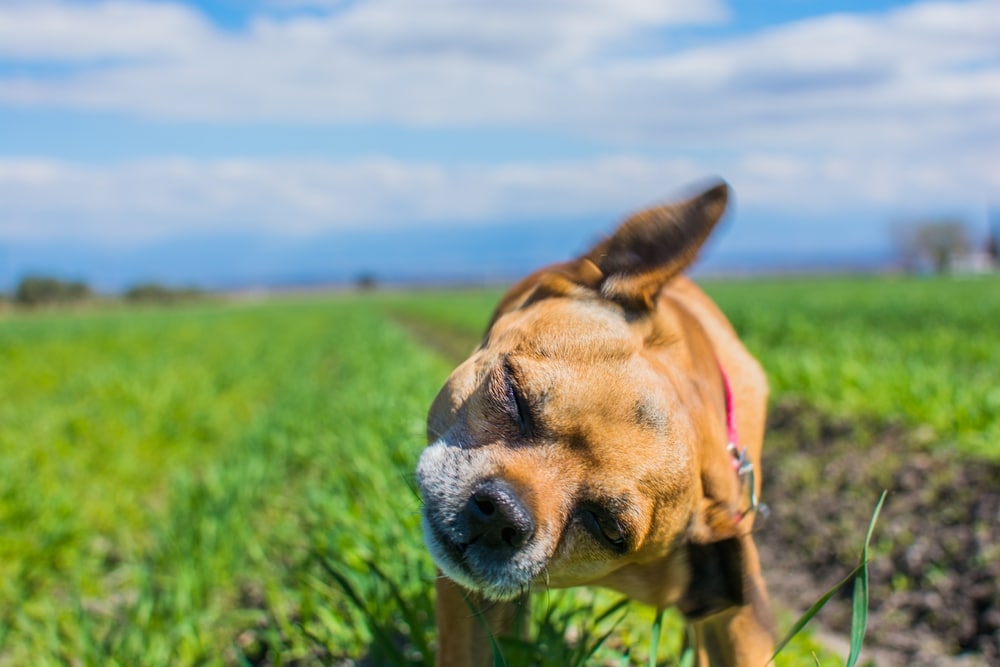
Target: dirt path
(935,568)
(451,343)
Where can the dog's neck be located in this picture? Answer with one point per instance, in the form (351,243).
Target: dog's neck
(742,465)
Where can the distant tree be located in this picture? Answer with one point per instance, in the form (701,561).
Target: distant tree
(153,292)
(366,282)
(45,290)
(935,242)
(993,245)
(943,241)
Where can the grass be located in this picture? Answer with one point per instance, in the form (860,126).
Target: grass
(858,578)
(918,350)
(229,484)
(171,478)
(225,485)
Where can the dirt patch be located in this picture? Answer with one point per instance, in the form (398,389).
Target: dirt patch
(450,343)
(935,571)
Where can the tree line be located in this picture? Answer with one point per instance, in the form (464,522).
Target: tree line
(37,291)
(944,245)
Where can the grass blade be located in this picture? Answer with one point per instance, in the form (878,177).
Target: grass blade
(687,655)
(498,659)
(859,616)
(810,612)
(607,613)
(383,638)
(861,567)
(654,640)
(589,653)
(406,608)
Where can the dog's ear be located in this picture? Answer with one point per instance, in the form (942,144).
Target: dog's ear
(654,245)
(580,276)
(631,266)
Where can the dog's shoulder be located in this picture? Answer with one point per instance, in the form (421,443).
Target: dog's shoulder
(742,367)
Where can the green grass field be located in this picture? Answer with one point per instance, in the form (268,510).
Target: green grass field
(173,481)
(230,484)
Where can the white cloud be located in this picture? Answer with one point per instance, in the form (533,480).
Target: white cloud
(156,199)
(153,199)
(451,61)
(433,63)
(917,80)
(897,109)
(51,31)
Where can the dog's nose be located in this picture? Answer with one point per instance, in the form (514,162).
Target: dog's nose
(497,518)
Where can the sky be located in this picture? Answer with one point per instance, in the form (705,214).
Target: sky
(228,143)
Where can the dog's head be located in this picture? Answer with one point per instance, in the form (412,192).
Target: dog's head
(567,449)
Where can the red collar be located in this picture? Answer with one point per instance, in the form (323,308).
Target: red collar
(742,465)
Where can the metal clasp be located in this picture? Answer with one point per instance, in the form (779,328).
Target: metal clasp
(745,471)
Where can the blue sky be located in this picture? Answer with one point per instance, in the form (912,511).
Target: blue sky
(233,143)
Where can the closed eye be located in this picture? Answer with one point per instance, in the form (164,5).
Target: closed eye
(522,410)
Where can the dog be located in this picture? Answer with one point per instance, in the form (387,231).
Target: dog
(605,432)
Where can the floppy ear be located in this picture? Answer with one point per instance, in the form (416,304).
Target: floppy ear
(654,245)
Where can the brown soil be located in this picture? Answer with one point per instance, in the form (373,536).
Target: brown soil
(450,343)
(935,557)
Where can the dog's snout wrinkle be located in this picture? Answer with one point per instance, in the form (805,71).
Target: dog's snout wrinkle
(497,518)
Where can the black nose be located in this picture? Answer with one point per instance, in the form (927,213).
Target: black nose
(497,518)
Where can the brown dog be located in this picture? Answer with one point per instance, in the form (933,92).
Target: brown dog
(592,439)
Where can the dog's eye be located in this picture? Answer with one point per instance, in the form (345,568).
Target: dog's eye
(611,530)
(523,414)
(522,411)
(607,528)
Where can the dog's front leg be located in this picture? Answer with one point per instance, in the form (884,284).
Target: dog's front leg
(732,638)
(741,636)
(465,622)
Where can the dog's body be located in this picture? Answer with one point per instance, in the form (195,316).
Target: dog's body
(585,443)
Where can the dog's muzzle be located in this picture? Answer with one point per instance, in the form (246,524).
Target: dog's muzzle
(477,527)
(496,518)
